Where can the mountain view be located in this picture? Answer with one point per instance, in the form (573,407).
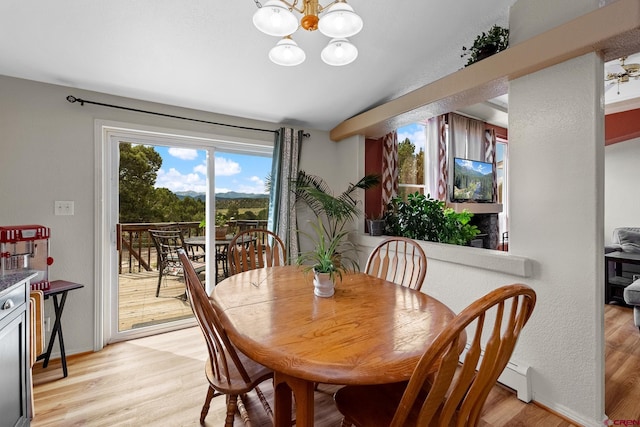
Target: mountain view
(143,200)
(472,181)
(226,195)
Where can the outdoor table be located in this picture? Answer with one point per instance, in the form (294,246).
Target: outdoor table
(222,246)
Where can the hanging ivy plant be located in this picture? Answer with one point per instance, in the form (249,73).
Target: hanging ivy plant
(486,44)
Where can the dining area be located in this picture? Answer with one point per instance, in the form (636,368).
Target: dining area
(393,354)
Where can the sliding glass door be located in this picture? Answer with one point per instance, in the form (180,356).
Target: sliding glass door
(168,182)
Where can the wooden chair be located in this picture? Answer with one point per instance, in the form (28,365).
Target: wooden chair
(167,243)
(399,260)
(443,391)
(255,248)
(228,370)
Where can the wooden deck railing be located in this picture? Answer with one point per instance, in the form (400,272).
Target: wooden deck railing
(136,250)
(135,246)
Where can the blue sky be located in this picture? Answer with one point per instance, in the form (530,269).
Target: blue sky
(184,169)
(415,133)
(483,168)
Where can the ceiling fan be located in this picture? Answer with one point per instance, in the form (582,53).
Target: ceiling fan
(621,73)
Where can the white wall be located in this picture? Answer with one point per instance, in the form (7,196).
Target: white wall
(621,194)
(47,153)
(337,163)
(556,153)
(557,222)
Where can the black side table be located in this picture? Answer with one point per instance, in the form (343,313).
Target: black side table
(58,287)
(614,285)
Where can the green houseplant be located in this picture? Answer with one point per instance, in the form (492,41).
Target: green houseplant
(486,44)
(332,252)
(221,225)
(335,211)
(329,258)
(424,218)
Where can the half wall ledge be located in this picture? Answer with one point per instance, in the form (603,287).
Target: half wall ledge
(486,259)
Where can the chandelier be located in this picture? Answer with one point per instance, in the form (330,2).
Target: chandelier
(338,21)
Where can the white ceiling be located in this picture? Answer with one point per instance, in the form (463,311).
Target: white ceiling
(617,97)
(206,54)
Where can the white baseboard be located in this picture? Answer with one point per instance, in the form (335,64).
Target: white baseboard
(515,376)
(569,414)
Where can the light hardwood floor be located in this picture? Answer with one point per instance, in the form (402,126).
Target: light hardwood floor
(159,381)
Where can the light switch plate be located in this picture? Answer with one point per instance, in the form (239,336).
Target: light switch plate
(63,207)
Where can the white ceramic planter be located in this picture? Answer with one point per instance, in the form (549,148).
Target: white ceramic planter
(323,286)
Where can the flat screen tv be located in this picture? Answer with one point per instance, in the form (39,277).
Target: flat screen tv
(472,181)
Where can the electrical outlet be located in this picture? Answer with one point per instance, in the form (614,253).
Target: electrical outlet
(47,324)
(63,207)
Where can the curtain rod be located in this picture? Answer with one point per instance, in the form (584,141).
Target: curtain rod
(72,99)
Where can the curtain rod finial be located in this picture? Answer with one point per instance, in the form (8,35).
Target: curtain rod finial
(72,99)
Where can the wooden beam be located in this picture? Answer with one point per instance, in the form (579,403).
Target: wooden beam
(613,29)
(621,126)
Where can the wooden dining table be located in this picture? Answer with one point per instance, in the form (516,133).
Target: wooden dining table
(369,332)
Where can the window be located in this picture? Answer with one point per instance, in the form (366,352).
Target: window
(502,163)
(414,170)
(411,165)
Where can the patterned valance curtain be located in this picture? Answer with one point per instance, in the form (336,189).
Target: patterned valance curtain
(389,168)
(490,157)
(436,157)
(284,170)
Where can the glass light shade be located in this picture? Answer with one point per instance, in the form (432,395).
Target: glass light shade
(340,21)
(339,52)
(275,19)
(287,53)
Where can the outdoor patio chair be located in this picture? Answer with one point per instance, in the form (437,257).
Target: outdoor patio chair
(167,243)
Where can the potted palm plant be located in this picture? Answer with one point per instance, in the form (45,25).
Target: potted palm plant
(335,211)
(332,253)
(329,258)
